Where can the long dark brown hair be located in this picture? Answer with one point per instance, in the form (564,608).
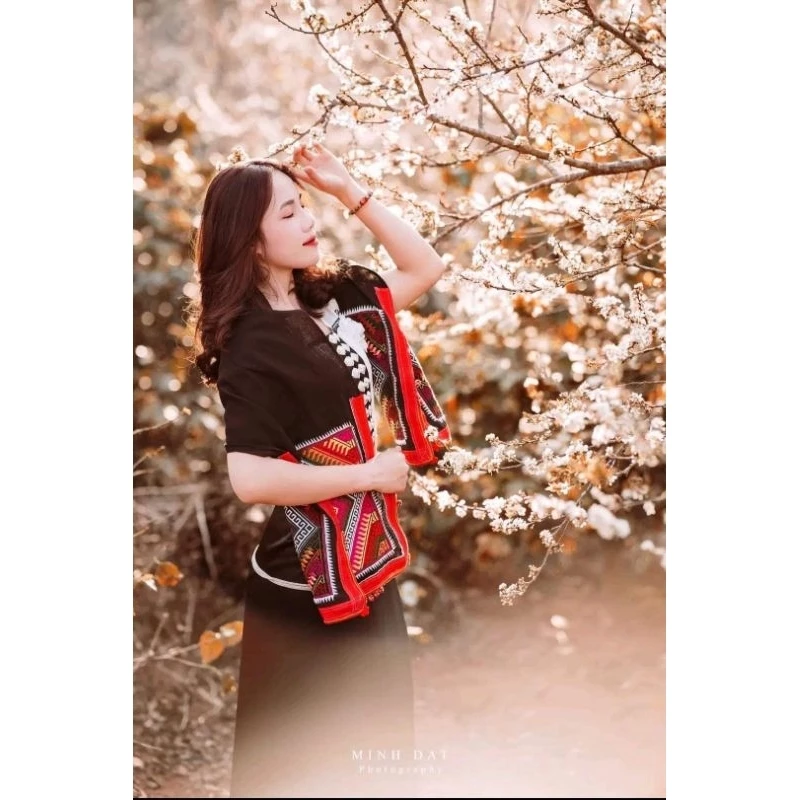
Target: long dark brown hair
(228,264)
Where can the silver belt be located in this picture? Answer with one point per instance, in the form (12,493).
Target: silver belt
(303,587)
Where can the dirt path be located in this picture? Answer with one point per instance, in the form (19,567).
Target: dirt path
(511,705)
(525,710)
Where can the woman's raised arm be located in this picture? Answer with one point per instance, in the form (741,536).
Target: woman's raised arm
(418,265)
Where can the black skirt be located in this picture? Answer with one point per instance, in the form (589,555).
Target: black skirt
(322,710)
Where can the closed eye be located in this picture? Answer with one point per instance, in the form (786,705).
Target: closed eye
(289,216)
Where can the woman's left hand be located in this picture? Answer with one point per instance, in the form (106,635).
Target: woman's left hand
(320,168)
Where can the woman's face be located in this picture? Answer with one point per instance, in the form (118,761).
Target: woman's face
(287,225)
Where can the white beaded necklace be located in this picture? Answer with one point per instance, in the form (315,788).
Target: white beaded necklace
(348,339)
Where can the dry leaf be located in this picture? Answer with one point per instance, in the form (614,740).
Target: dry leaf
(657,395)
(167,574)
(598,472)
(211,646)
(570,331)
(232,633)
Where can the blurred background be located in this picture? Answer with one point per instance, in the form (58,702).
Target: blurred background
(561,693)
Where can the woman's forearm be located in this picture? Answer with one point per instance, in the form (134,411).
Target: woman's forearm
(417,265)
(283,483)
(407,249)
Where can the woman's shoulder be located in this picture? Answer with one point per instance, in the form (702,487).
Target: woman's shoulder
(252,332)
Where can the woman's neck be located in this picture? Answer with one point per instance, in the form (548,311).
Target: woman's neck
(280,293)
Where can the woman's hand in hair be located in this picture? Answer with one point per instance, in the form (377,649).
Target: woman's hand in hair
(318,167)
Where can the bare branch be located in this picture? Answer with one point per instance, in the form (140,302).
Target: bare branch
(338,63)
(402,42)
(491,19)
(565,178)
(609,120)
(621,263)
(189,621)
(153,427)
(428,161)
(202,524)
(573,279)
(160,625)
(186,488)
(319,122)
(621,35)
(592,145)
(518,64)
(499,112)
(404,6)
(352,17)
(148,746)
(659,346)
(149,454)
(591,167)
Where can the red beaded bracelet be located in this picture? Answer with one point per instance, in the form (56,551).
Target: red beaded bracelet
(361,202)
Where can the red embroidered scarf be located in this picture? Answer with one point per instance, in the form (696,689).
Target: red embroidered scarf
(277,403)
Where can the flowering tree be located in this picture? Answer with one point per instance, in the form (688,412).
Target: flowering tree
(564,120)
(527,142)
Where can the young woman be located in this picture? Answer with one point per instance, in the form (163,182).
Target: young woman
(304,354)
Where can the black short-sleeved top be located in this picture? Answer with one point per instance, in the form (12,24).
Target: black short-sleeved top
(267,411)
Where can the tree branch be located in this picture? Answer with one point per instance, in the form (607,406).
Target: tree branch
(491,19)
(574,279)
(570,176)
(591,167)
(205,536)
(320,121)
(623,37)
(499,112)
(609,120)
(582,34)
(352,18)
(404,5)
(402,42)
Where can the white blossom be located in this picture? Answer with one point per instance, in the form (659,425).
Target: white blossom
(602,434)
(318,94)
(494,506)
(606,524)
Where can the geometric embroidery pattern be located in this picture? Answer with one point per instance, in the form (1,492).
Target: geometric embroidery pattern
(385,367)
(379,350)
(370,539)
(338,446)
